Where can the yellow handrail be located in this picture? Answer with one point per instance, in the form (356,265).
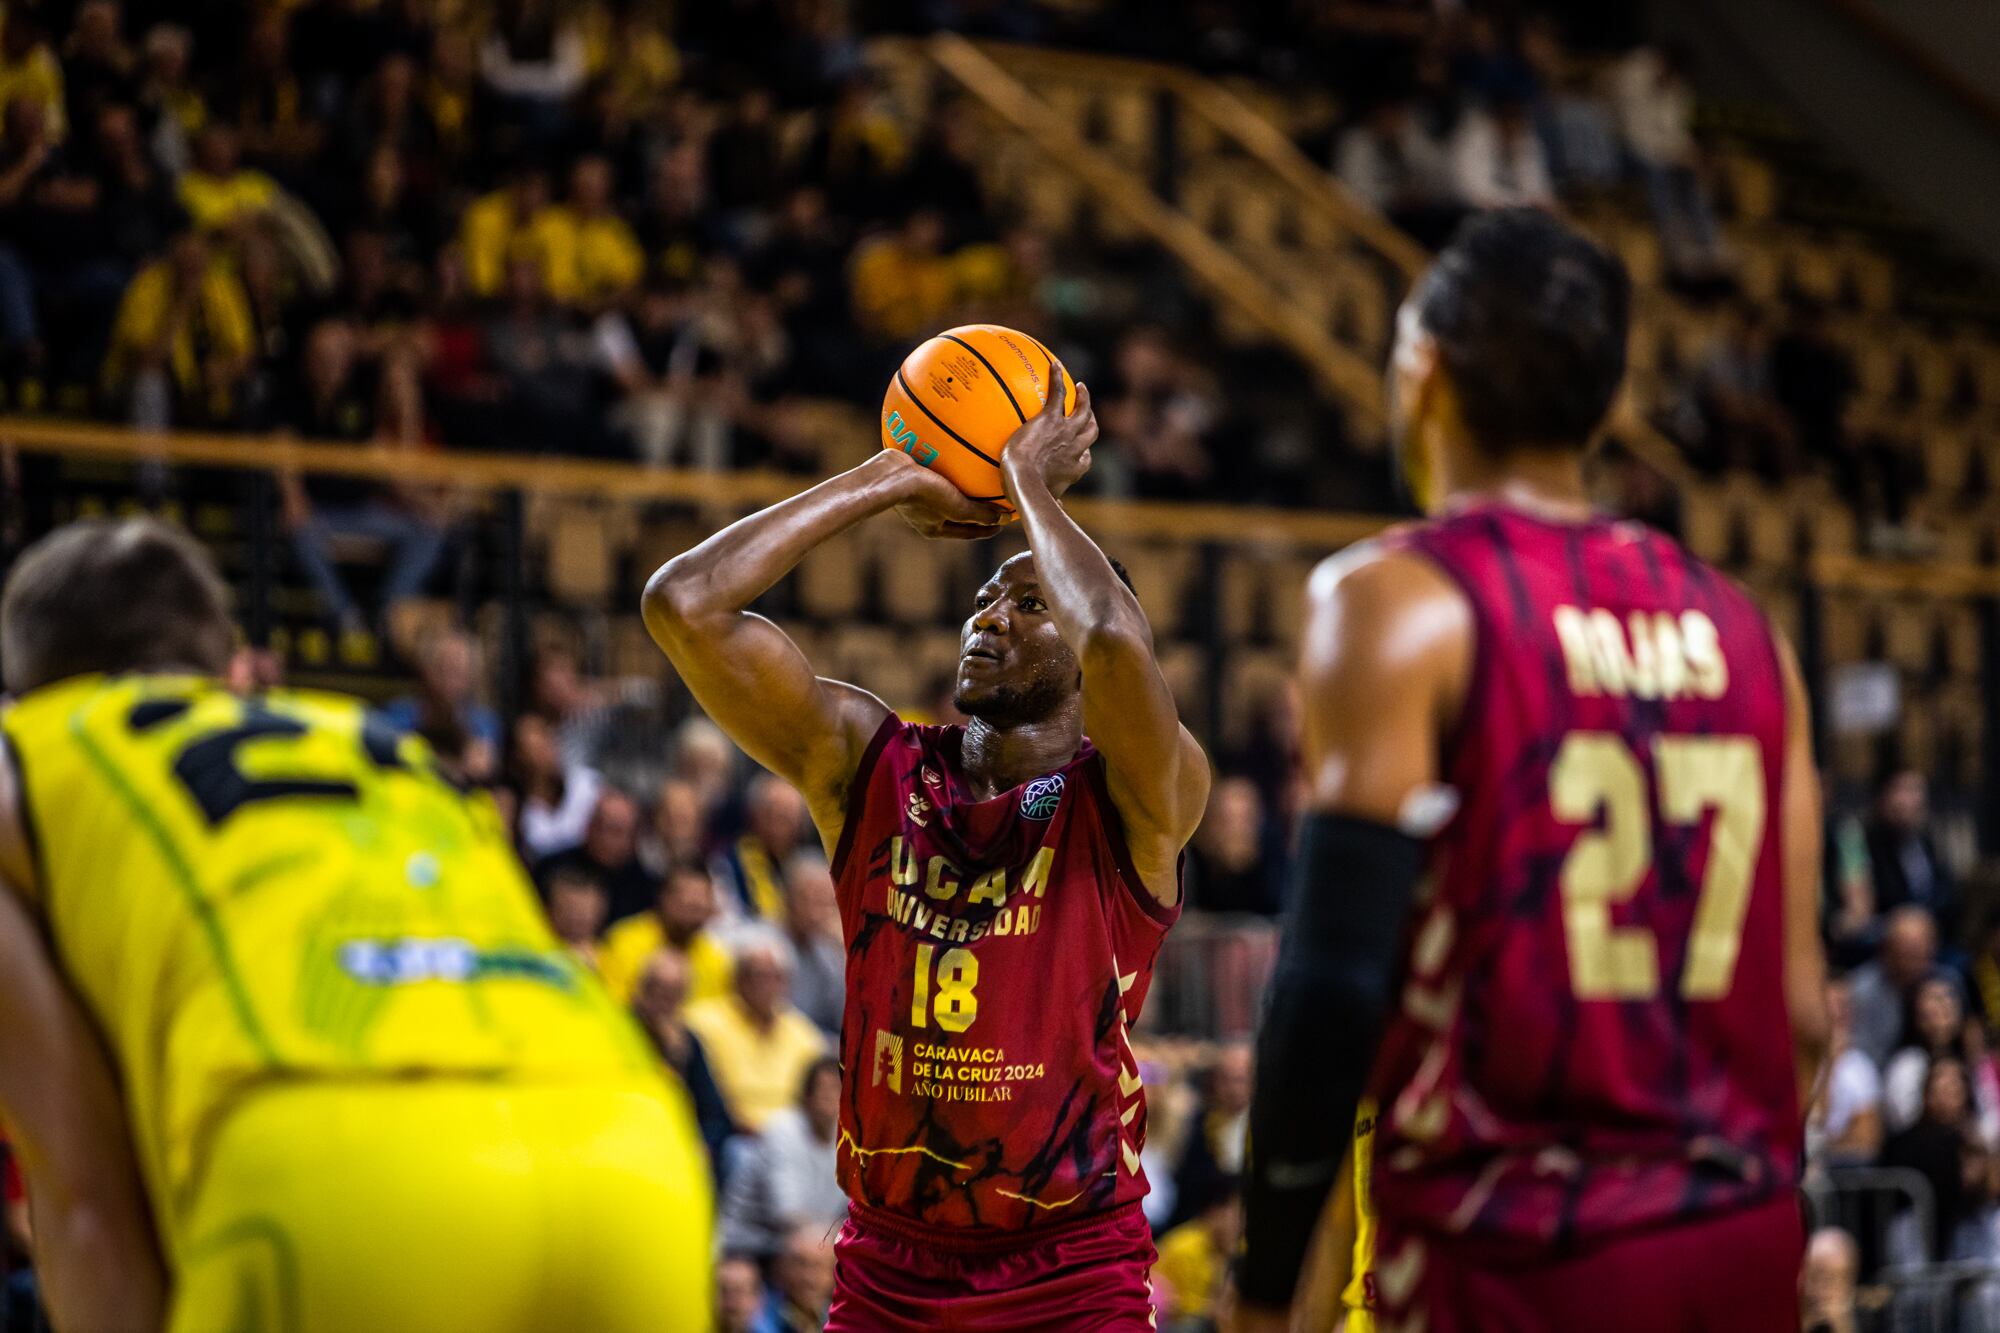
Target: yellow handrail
(623,481)
(1146,519)
(1226,277)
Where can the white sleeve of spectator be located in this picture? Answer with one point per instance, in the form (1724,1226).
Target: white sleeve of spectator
(616,347)
(1903,1089)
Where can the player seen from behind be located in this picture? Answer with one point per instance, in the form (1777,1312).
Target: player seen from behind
(285,1042)
(1562,793)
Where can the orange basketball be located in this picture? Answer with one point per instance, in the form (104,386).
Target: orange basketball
(957,398)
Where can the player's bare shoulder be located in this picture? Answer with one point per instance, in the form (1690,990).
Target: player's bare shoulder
(1384,600)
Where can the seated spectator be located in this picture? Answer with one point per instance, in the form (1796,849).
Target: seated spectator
(774,824)
(1936,1029)
(679,924)
(513,223)
(391,115)
(1882,988)
(739,1295)
(1813,379)
(546,365)
(556,797)
(1736,420)
(576,902)
(1827,1288)
(903,283)
(1655,107)
(812,924)
(171,107)
(606,259)
(1903,857)
(677,832)
(1194,1262)
(559,690)
(610,847)
(1228,870)
(28,69)
(785,1180)
(98,65)
(182,341)
(746,164)
(649,352)
(1944,1147)
(1212,1156)
(705,759)
(759,1044)
(1394,166)
(335,399)
(1497,161)
(660,1004)
(801,1283)
(1844,1127)
(448,676)
(269,106)
(218,191)
(27,159)
(675,228)
(533,62)
(1156,414)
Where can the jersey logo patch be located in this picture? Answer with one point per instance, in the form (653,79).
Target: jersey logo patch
(931,777)
(1040,798)
(888,1066)
(920,809)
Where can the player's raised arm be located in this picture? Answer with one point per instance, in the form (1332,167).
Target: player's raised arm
(1387,651)
(1156,770)
(746,672)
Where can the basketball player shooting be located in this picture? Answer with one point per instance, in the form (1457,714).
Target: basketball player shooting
(1592,1033)
(1004,886)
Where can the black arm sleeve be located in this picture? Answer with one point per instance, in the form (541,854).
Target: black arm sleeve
(1352,885)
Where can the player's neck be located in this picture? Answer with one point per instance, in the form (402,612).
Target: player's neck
(995,759)
(1541,481)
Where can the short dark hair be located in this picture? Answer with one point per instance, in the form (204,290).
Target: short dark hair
(1530,319)
(106,595)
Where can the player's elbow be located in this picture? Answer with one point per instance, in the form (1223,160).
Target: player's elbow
(675,600)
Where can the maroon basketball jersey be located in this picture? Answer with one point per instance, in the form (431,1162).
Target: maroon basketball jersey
(996,951)
(1592,1036)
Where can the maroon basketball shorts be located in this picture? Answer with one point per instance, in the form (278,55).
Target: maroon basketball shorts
(1086,1276)
(1737,1273)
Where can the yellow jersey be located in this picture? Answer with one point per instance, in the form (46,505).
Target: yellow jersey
(626,947)
(1360,1293)
(249,892)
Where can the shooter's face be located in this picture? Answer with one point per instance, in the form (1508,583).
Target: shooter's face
(1013,666)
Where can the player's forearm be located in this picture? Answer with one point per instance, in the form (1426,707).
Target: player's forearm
(1091,605)
(730,570)
(1351,885)
(99,1266)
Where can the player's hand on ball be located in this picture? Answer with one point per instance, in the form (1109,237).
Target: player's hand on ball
(1051,445)
(936,508)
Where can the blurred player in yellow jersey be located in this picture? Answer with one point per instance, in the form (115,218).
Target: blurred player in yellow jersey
(284,1042)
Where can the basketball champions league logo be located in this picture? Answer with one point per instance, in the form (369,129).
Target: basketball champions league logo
(1041,797)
